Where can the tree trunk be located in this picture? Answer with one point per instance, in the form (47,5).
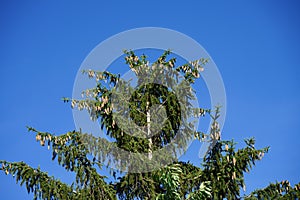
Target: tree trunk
(149,131)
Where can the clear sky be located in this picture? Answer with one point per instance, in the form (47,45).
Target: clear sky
(255,44)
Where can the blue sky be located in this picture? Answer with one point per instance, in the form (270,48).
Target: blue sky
(255,45)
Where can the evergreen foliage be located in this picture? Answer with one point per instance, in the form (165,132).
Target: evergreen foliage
(221,175)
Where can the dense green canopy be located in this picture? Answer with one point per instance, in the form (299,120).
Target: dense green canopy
(151,124)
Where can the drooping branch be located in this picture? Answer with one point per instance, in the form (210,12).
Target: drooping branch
(72,154)
(278,190)
(37,182)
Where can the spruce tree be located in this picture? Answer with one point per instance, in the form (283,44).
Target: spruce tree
(151,124)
